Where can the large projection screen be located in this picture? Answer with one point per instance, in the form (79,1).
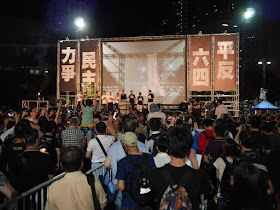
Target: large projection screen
(146,65)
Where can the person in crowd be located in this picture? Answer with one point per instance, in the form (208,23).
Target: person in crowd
(32,115)
(124,169)
(51,143)
(155,112)
(131,98)
(195,134)
(271,141)
(162,157)
(73,190)
(97,101)
(205,136)
(140,102)
(98,147)
(250,187)
(151,98)
(142,122)
(33,166)
(124,106)
(79,98)
(116,152)
(155,125)
(194,181)
(223,164)
(123,95)
(104,100)
(221,109)
(117,100)
(72,136)
(87,119)
(110,102)
(92,133)
(6,188)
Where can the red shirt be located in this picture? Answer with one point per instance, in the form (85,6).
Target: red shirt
(202,141)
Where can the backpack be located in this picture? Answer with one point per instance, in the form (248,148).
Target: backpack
(175,196)
(209,138)
(140,187)
(225,181)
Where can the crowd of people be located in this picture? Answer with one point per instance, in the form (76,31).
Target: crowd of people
(157,160)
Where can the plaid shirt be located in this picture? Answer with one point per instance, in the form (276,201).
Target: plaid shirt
(72,136)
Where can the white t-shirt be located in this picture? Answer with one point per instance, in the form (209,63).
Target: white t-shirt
(104,99)
(221,109)
(97,155)
(117,99)
(110,99)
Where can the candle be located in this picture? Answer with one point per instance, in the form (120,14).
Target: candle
(43,150)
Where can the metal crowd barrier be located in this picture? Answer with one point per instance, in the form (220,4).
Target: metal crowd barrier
(36,197)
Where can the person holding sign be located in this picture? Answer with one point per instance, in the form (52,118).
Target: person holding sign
(140,101)
(150,99)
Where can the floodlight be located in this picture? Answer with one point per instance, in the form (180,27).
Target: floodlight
(79,22)
(250,12)
(260,62)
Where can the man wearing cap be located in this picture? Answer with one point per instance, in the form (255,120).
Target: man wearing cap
(124,170)
(156,113)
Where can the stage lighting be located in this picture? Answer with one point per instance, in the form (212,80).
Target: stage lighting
(250,12)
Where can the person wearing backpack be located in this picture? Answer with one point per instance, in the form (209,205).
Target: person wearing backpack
(133,175)
(223,167)
(205,136)
(176,185)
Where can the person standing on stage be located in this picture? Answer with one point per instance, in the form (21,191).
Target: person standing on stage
(131,99)
(97,101)
(117,100)
(79,99)
(123,95)
(140,102)
(221,109)
(104,100)
(151,98)
(110,102)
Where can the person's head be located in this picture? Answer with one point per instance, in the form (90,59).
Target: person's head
(117,94)
(220,121)
(200,124)
(72,158)
(42,121)
(31,137)
(247,139)
(110,93)
(179,140)
(207,123)
(100,128)
(269,127)
(150,91)
(179,122)
(140,94)
(32,113)
(129,125)
(96,119)
(161,143)
(21,127)
(80,92)
(89,102)
(129,140)
(154,108)
(122,92)
(255,121)
(141,118)
(104,92)
(49,127)
(249,187)
(131,92)
(155,124)
(219,101)
(219,131)
(74,121)
(230,148)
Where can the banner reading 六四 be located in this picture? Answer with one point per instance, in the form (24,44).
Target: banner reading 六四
(68,66)
(225,63)
(200,63)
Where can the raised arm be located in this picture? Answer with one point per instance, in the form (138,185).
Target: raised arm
(58,112)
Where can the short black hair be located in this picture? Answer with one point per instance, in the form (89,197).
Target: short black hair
(129,125)
(219,101)
(220,121)
(101,127)
(255,121)
(207,122)
(200,123)
(220,130)
(49,126)
(71,158)
(161,143)
(88,102)
(179,141)
(155,123)
(30,136)
(269,127)
(229,148)
(179,122)
(20,128)
(247,139)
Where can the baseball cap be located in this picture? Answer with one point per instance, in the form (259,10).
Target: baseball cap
(129,139)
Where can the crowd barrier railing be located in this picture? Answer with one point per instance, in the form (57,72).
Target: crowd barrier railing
(36,197)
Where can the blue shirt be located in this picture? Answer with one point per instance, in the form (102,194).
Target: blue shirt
(124,173)
(117,153)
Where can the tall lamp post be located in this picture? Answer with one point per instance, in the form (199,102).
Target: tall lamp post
(264,63)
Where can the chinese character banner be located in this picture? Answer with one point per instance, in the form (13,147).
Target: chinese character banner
(225,63)
(200,63)
(68,66)
(89,65)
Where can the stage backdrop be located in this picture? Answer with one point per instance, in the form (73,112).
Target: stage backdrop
(146,65)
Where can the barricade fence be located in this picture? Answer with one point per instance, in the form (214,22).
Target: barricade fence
(36,197)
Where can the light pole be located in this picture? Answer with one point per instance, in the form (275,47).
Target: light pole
(264,63)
